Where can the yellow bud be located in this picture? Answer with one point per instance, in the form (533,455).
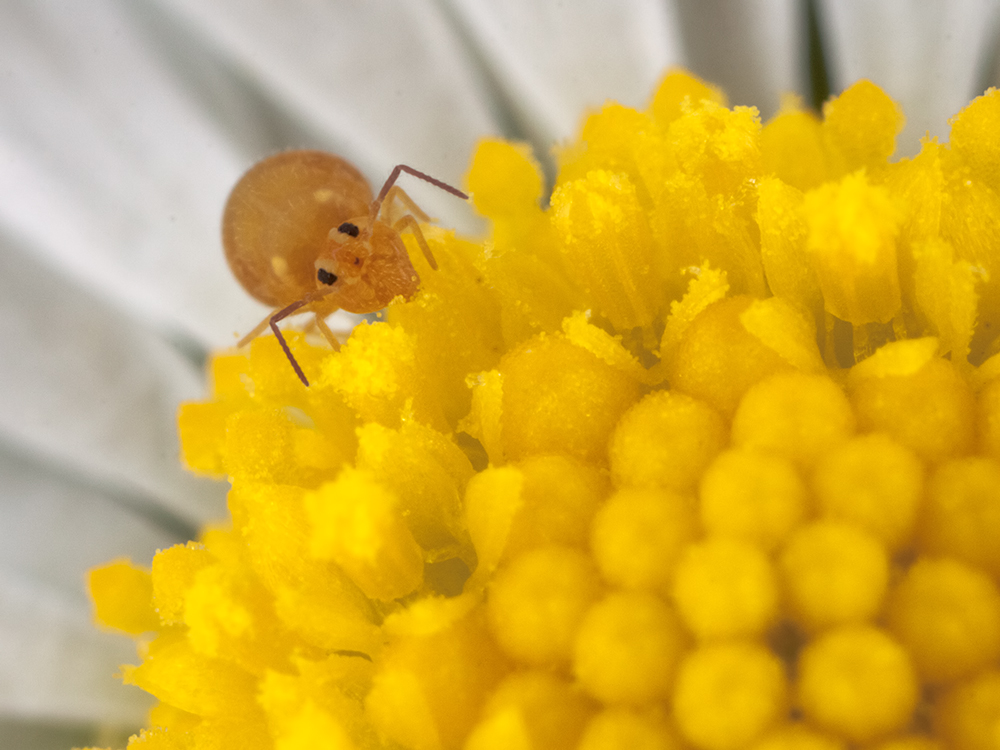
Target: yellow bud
(791,146)
(860,126)
(607,247)
(794,415)
(425,471)
(947,615)
(627,647)
(267,372)
(202,431)
(973,132)
(726,588)
(228,615)
(834,573)
(537,602)
(310,727)
(559,398)
(260,446)
(176,674)
(718,146)
(228,374)
(504,179)
(873,482)
(858,682)
(679,91)
(852,239)
(123,597)
(356,524)
(967,716)
(752,496)
(435,674)
(620,139)
(559,498)
(916,397)
(171,718)
(375,373)
(988,421)
(799,737)
(909,742)
(728,694)
(946,291)
(543,709)
(718,357)
(174,570)
(961,517)
(493,498)
(665,440)
(783,233)
(626,729)
(638,535)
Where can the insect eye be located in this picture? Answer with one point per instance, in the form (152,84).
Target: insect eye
(325,277)
(348,228)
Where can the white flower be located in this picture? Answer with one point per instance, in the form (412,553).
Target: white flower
(123,124)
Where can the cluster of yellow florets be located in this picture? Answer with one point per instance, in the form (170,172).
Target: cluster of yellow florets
(704,454)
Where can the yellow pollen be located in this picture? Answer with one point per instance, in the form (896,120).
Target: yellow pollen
(702,450)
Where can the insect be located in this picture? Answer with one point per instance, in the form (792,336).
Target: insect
(302,233)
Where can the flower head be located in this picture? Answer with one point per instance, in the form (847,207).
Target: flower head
(705,450)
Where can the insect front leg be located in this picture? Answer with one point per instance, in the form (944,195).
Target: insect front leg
(274,320)
(394,175)
(408,222)
(389,206)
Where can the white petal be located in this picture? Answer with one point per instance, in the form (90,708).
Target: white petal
(928,56)
(381,84)
(56,527)
(91,391)
(551,60)
(55,664)
(111,170)
(993,74)
(755,50)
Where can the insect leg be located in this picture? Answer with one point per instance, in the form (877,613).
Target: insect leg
(408,222)
(325,330)
(257,331)
(394,175)
(396,193)
(281,315)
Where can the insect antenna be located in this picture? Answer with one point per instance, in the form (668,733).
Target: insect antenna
(394,175)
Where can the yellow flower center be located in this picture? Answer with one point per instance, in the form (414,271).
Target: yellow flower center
(705,452)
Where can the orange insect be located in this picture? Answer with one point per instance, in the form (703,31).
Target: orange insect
(302,234)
